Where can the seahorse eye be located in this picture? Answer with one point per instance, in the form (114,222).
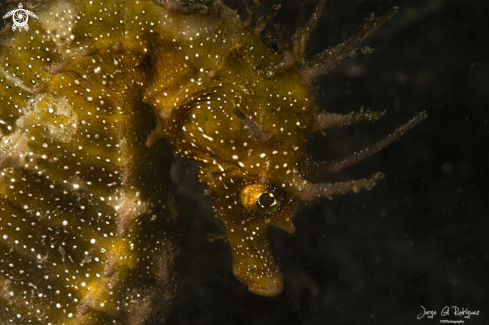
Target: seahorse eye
(261,200)
(266,200)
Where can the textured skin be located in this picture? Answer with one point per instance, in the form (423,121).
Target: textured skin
(244,113)
(220,97)
(204,126)
(89,227)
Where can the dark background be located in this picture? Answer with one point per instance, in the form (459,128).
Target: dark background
(419,238)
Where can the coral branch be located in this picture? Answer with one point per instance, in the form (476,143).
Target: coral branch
(289,56)
(311,192)
(250,13)
(324,171)
(300,19)
(324,62)
(326,120)
(302,34)
(363,51)
(262,21)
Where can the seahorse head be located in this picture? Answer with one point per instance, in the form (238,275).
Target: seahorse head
(247,129)
(249,138)
(244,113)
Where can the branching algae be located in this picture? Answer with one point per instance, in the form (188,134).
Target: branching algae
(89,227)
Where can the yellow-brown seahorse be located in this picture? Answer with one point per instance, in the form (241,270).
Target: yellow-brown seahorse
(89,227)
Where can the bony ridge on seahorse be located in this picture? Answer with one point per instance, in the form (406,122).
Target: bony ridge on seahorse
(244,114)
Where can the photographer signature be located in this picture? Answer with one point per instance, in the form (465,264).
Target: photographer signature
(446,311)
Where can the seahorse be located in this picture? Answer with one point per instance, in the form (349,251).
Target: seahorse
(89,224)
(244,113)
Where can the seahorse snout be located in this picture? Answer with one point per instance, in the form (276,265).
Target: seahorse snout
(253,262)
(268,284)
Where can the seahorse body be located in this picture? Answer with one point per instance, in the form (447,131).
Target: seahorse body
(89,227)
